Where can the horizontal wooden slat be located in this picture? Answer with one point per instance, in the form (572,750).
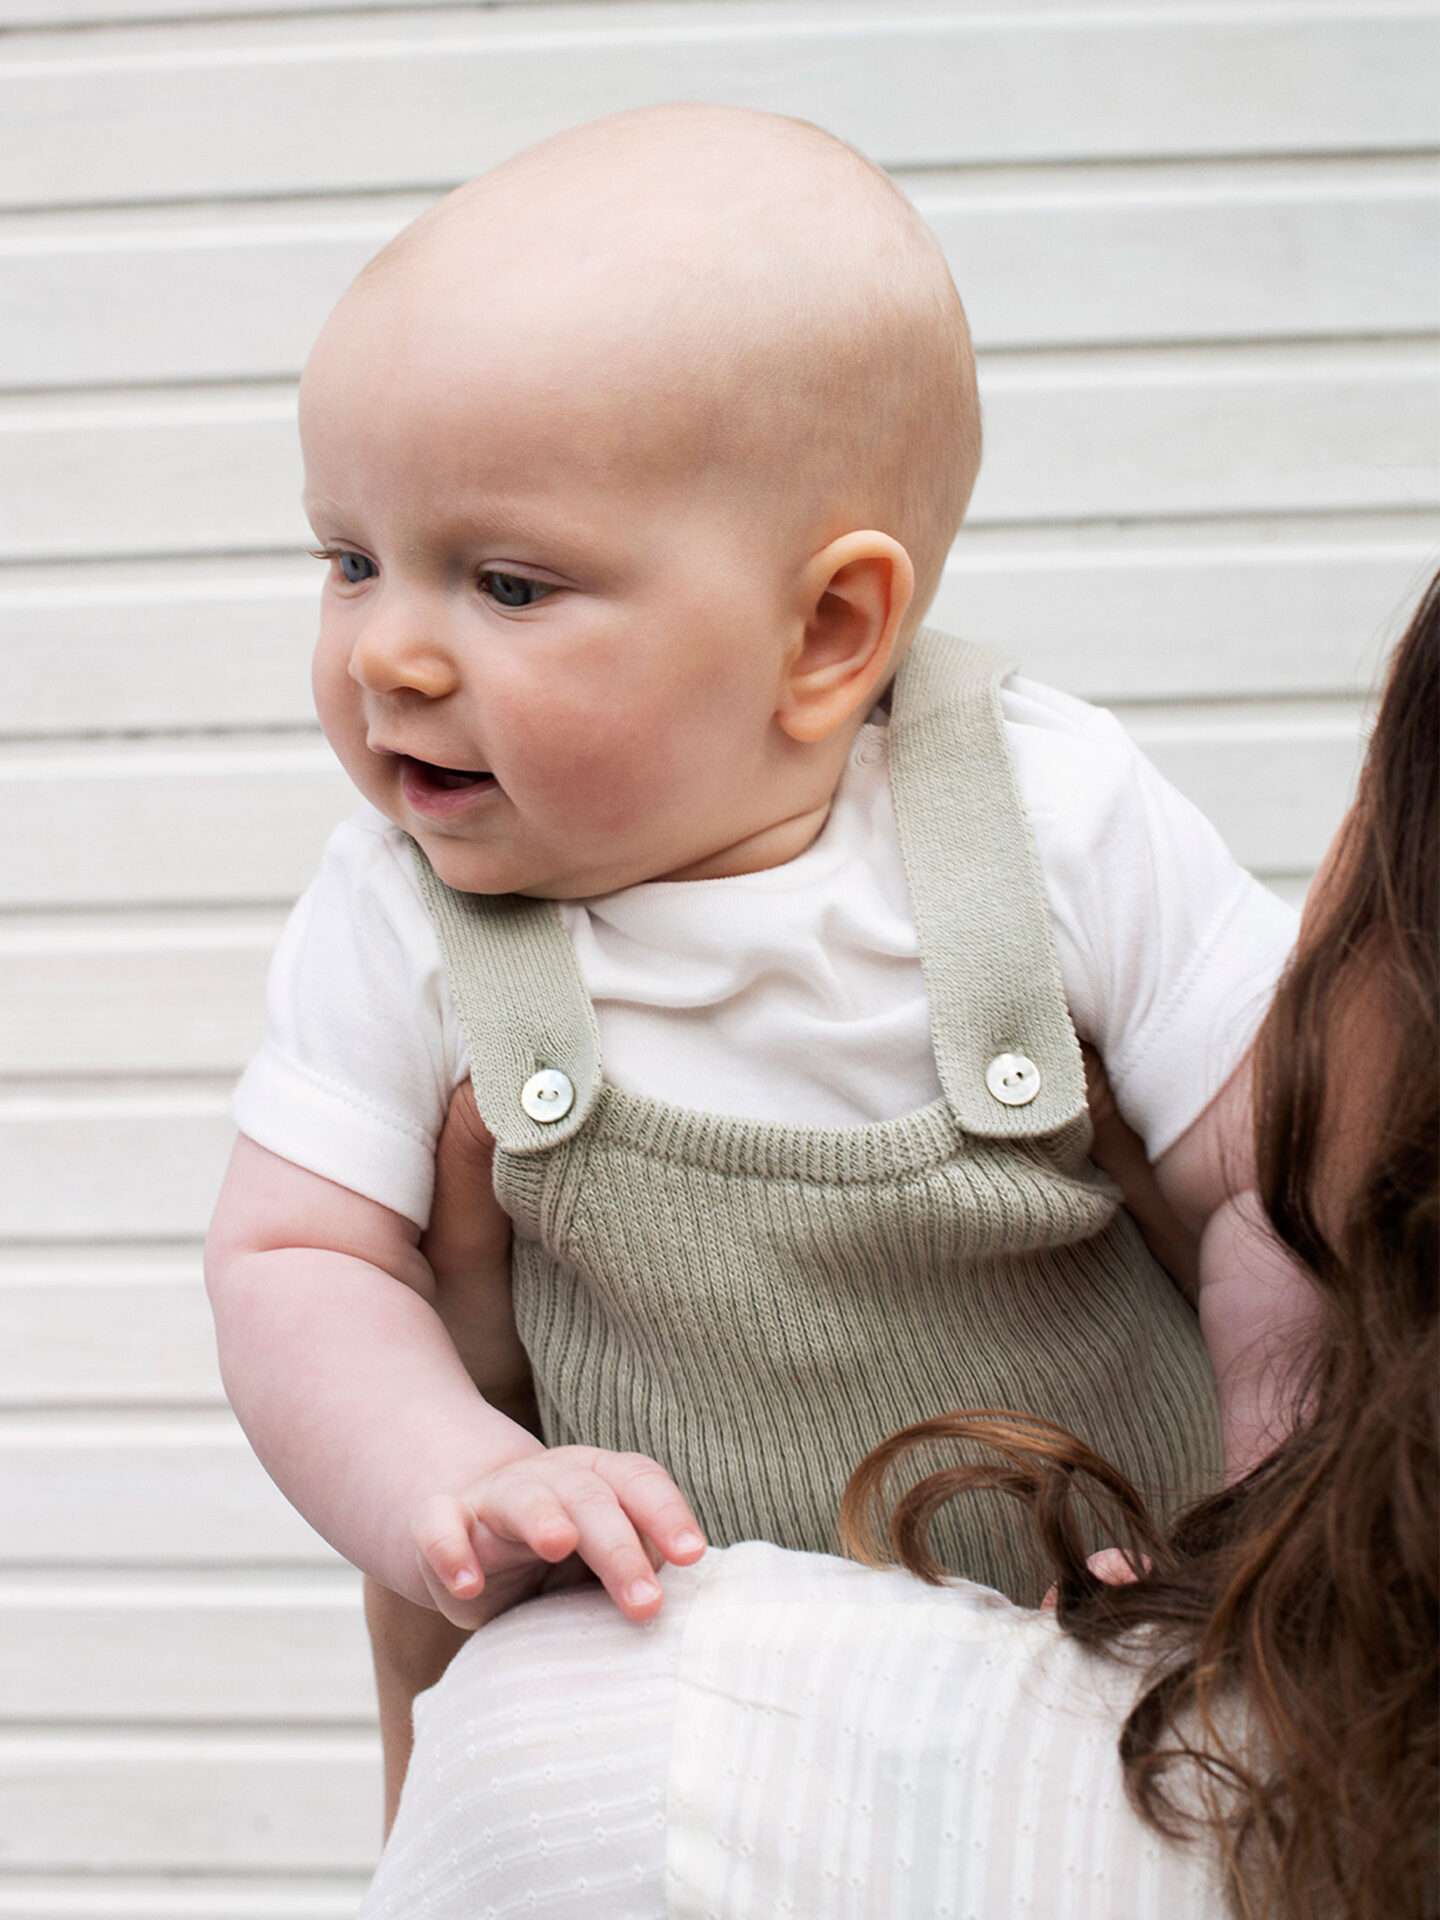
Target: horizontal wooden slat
(1277,794)
(67,1177)
(85,1896)
(91,1648)
(162,999)
(66,13)
(103,121)
(1107,436)
(1242,613)
(72,13)
(1143,613)
(219,472)
(142,1802)
(140,1490)
(1224,432)
(97,649)
(160,825)
(1104,258)
(121,1336)
(1211,254)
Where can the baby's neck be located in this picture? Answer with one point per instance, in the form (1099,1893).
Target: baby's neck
(772,846)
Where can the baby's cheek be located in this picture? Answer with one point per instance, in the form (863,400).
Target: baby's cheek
(337,707)
(325,687)
(587,760)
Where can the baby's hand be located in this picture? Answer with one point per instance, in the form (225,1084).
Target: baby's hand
(1110,1565)
(619,1513)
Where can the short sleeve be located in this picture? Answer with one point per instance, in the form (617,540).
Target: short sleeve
(1169,950)
(361,1050)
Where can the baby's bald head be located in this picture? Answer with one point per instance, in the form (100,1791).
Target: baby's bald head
(746,302)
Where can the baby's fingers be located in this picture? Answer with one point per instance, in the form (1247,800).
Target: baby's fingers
(1112,1566)
(654,1504)
(610,1546)
(522,1505)
(1116,1568)
(447,1558)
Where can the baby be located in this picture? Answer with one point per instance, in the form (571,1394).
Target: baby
(635,464)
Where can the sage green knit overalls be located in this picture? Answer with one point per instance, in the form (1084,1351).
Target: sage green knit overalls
(756,1305)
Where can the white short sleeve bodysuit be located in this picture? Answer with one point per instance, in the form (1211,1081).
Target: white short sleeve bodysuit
(794,994)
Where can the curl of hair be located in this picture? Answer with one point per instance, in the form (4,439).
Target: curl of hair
(1308,1593)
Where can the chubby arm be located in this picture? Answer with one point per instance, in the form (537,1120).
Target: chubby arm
(338,1365)
(1256,1305)
(350,1386)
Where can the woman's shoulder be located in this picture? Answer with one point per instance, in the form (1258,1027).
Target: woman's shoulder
(959,1752)
(755,1574)
(757,1608)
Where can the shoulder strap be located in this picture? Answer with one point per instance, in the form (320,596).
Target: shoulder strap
(522,1003)
(986,944)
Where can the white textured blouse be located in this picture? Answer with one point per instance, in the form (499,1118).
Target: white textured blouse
(794,1736)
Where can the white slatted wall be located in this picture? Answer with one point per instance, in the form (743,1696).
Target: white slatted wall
(1200,244)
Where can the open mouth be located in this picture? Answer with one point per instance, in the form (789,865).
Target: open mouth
(429,786)
(446,778)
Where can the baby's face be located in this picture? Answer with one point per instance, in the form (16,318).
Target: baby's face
(543,651)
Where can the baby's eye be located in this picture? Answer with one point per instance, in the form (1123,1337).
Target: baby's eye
(513,589)
(350,564)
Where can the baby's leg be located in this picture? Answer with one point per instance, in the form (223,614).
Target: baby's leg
(411,1647)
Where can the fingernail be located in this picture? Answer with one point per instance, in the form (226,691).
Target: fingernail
(465,1581)
(642,1593)
(689,1542)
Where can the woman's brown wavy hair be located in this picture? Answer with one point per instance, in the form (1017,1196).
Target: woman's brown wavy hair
(1309,1589)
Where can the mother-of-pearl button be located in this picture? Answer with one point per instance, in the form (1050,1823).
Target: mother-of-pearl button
(1013,1078)
(547,1095)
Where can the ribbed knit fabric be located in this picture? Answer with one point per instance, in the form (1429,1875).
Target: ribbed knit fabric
(757,1305)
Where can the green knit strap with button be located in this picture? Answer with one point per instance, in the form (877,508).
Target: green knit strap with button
(948,727)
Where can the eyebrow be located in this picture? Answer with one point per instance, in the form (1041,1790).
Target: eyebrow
(483,520)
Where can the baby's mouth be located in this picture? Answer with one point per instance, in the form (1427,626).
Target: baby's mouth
(444,778)
(429,786)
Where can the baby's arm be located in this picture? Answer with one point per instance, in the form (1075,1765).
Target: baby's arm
(357,1402)
(1256,1305)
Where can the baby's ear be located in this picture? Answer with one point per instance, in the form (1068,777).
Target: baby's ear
(855,594)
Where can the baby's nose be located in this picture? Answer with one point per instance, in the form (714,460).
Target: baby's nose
(392,654)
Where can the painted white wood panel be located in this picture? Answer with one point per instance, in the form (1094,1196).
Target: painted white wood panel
(143,1491)
(125,649)
(1104,257)
(1191,613)
(1068,257)
(1138,613)
(66,13)
(163,825)
(158,825)
(1222,431)
(1104,435)
(130,1336)
(1297,779)
(105,119)
(126,1166)
(162,998)
(152,1802)
(71,13)
(94,1648)
(178,1897)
